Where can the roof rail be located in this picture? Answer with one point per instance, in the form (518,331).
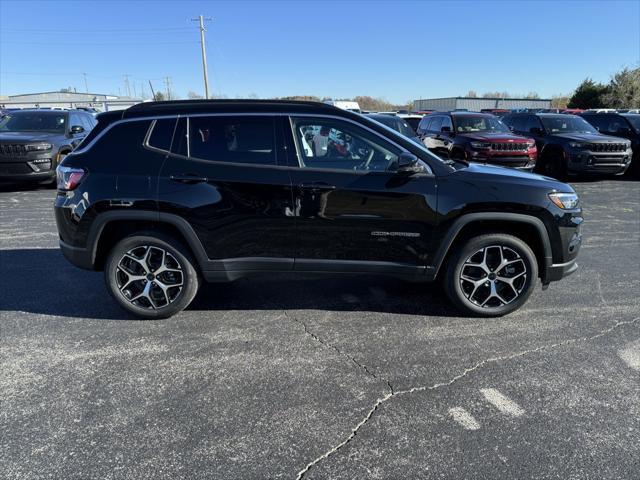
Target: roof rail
(192,103)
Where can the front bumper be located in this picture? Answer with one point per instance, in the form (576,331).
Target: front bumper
(590,162)
(558,271)
(525,162)
(26,169)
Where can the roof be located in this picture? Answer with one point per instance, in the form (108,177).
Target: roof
(231,106)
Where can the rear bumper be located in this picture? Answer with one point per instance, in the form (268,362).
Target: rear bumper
(78,256)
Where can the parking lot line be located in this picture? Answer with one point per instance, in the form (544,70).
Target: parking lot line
(464,418)
(501,402)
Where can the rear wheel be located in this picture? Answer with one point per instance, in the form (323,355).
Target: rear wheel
(491,275)
(151,277)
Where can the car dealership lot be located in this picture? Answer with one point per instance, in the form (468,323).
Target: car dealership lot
(276,377)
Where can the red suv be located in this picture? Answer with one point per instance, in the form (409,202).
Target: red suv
(476,137)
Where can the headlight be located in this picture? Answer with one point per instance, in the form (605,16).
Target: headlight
(483,145)
(39,147)
(531,144)
(577,145)
(565,201)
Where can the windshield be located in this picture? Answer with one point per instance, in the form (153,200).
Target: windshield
(397,124)
(477,123)
(33,122)
(566,124)
(634,120)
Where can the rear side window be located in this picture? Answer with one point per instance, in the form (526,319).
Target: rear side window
(162,134)
(120,138)
(233,139)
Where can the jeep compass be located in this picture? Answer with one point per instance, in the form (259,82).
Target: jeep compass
(165,195)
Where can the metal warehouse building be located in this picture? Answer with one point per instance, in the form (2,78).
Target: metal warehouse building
(476,104)
(102,101)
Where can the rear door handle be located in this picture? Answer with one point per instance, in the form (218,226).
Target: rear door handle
(317,186)
(188,178)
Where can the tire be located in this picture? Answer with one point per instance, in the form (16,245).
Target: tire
(553,166)
(141,255)
(488,251)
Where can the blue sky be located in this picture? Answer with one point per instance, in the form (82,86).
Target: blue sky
(397,50)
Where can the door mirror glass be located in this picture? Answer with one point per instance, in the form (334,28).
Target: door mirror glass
(76,129)
(446,129)
(535,130)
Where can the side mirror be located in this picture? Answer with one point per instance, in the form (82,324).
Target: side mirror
(76,129)
(445,129)
(408,163)
(623,131)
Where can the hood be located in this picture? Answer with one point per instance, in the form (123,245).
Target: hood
(28,137)
(495,173)
(494,137)
(588,137)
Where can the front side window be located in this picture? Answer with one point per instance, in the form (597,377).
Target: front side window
(436,124)
(334,144)
(33,122)
(567,124)
(479,123)
(233,139)
(446,122)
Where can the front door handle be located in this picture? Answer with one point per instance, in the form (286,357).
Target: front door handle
(187,178)
(317,186)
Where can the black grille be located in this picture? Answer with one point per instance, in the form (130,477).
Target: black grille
(509,147)
(12,150)
(15,169)
(607,147)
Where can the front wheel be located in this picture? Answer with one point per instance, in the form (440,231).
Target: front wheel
(151,276)
(491,275)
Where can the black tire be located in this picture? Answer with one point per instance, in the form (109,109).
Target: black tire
(458,289)
(552,165)
(158,303)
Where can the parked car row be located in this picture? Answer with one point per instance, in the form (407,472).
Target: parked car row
(554,144)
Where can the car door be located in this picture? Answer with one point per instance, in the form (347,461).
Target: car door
(444,137)
(431,140)
(223,176)
(75,120)
(353,211)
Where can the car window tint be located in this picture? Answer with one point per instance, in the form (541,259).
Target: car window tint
(530,121)
(423,126)
(233,139)
(162,134)
(86,123)
(446,122)
(435,124)
(75,121)
(334,144)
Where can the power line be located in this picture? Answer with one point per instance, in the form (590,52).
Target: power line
(126,83)
(201,19)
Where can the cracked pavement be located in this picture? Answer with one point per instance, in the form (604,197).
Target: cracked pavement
(280,377)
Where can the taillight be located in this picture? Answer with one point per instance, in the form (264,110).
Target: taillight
(68,178)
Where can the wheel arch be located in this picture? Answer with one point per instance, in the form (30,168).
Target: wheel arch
(528,228)
(110,227)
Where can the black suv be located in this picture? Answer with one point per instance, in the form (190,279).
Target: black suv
(34,142)
(623,125)
(567,144)
(476,137)
(165,194)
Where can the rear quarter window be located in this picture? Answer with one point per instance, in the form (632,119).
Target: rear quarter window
(161,134)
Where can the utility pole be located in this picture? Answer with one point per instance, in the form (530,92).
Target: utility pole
(201,19)
(86,86)
(126,83)
(167,82)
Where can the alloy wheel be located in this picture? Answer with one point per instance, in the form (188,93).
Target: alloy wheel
(149,277)
(493,276)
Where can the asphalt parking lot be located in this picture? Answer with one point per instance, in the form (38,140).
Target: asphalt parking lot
(323,378)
